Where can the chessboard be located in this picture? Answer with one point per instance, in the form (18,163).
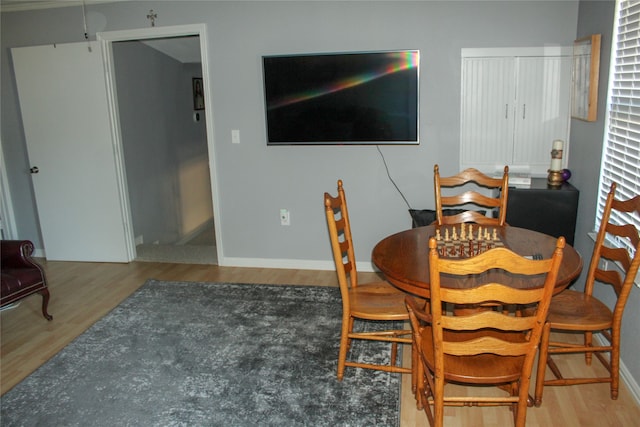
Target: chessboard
(466,240)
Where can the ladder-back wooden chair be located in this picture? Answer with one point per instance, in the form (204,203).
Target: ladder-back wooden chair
(467,178)
(580,312)
(371,301)
(487,346)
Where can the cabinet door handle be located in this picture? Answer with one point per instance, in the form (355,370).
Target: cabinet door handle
(524,111)
(506,111)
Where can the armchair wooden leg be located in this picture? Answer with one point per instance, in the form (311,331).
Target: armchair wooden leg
(45,303)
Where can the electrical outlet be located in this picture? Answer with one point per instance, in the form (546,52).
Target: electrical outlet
(285,219)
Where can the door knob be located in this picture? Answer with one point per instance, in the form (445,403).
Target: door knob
(34,169)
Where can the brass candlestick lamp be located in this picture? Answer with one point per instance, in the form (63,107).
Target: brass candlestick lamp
(554,178)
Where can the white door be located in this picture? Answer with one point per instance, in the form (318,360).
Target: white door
(488,97)
(66,121)
(543,109)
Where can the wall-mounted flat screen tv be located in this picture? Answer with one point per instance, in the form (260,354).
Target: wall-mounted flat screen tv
(342,98)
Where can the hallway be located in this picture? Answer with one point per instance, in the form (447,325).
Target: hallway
(201,249)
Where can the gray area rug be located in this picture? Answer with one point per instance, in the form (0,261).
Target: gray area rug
(210,354)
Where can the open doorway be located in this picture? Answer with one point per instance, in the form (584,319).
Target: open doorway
(164,142)
(164,146)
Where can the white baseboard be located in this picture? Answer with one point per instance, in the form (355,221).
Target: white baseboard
(625,374)
(631,382)
(288,263)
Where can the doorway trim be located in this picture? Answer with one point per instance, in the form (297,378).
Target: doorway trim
(106,40)
(7,220)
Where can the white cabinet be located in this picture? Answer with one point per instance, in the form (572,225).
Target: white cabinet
(514,103)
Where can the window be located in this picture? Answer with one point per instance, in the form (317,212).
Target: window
(621,148)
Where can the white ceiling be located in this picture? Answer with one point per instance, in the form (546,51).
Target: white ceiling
(15,5)
(183,49)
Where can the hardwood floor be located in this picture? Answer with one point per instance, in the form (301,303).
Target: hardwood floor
(81,293)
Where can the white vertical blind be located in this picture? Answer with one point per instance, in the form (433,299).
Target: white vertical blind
(488,95)
(621,151)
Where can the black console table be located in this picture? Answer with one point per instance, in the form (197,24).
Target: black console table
(549,210)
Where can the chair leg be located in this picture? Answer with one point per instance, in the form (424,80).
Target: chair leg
(344,345)
(414,366)
(588,342)
(520,413)
(614,365)
(394,353)
(45,303)
(543,354)
(420,380)
(438,403)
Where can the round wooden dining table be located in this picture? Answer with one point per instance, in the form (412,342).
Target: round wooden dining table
(403,258)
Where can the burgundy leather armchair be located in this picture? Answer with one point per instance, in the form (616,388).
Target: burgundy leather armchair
(21,275)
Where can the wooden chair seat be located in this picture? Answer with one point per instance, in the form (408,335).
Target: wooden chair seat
(575,311)
(378,301)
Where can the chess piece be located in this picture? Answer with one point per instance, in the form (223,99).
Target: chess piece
(438,237)
(446,234)
(479,233)
(463,235)
(495,235)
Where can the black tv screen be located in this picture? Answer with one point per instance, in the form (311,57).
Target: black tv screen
(342,98)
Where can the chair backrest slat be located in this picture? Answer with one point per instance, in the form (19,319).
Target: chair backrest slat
(486,345)
(488,319)
(478,295)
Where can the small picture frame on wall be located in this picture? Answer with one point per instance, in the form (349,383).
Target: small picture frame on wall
(198,94)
